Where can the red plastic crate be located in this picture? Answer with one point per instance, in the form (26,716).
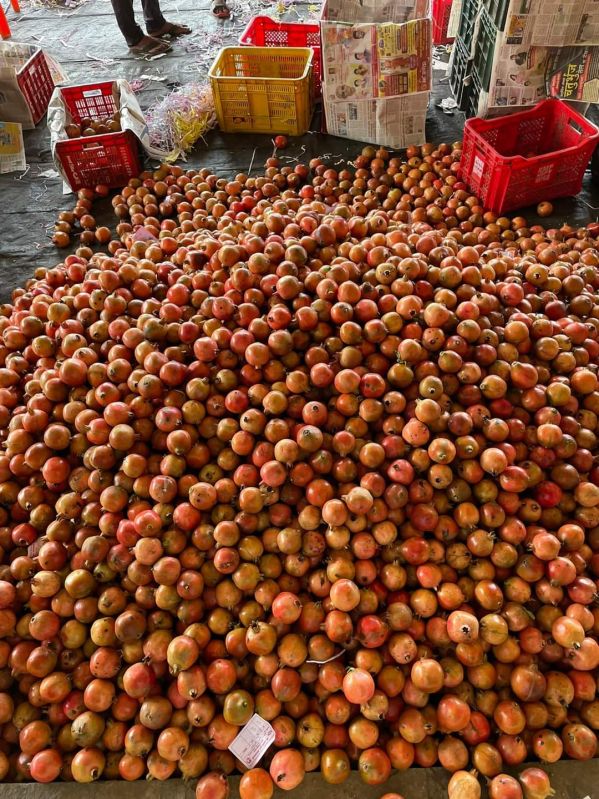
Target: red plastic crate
(266,32)
(523,158)
(32,75)
(108,158)
(36,84)
(441,13)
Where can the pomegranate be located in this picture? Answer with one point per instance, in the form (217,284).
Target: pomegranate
(318,444)
(535,784)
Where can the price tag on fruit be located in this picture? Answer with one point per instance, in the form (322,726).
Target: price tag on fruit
(253,741)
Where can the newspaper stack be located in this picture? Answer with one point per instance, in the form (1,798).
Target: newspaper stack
(522,51)
(12,149)
(376,63)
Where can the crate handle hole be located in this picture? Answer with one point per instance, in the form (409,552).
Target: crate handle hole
(575,125)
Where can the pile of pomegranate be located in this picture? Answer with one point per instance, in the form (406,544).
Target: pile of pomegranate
(318,445)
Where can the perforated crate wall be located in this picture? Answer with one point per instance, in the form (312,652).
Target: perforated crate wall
(263,90)
(263,31)
(534,155)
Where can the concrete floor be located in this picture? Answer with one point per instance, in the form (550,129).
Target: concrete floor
(570,779)
(86,41)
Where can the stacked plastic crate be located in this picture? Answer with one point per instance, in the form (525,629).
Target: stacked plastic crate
(509,54)
(462,54)
(376,69)
(443,12)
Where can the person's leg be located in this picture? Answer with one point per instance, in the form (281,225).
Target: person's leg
(156,25)
(134,36)
(152,15)
(125,17)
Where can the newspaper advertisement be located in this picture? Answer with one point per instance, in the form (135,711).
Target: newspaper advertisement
(404,58)
(487,111)
(566,22)
(12,149)
(361,62)
(518,77)
(573,74)
(397,11)
(392,122)
(552,23)
(349,60)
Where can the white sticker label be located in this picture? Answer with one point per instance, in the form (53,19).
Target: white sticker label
(253,741)
(478,166)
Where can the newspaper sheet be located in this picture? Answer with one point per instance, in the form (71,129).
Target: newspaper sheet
(518,76)
(12,149)
(552,23)
(524,75)
(56,70)
(573,74)
(392,122)
(15,55)
(375,10)
(492,111)
(454,19)
(365,61)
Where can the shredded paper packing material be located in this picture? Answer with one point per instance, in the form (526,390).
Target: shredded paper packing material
(12,149)
(132,118)
(176,122)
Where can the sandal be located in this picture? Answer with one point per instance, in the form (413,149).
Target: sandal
(220,9)
(149,46)
(170,30)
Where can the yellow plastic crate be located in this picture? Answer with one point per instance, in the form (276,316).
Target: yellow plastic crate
(263,89)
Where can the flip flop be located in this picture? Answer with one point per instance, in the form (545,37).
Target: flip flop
(150,46)
(171,30)
(220,10)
